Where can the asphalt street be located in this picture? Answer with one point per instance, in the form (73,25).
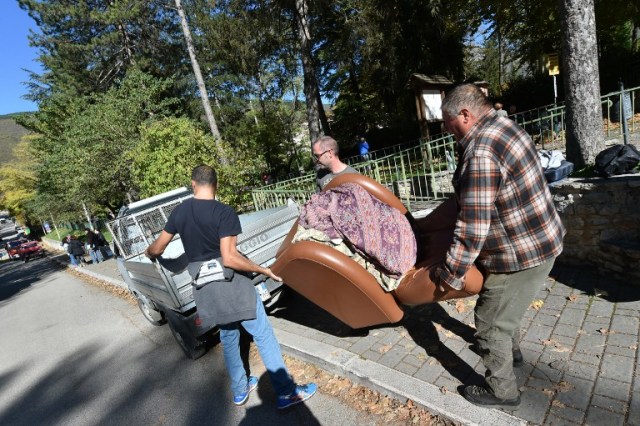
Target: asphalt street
(74,354)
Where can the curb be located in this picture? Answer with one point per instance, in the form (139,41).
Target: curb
(392,382)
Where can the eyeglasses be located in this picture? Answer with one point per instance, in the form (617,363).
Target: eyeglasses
(317,157)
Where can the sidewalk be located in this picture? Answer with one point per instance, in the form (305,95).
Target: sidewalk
(579,340)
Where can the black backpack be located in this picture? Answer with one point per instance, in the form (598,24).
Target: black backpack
(617,160)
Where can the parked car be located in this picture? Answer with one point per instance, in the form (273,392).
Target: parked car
(30,250)
(13,248)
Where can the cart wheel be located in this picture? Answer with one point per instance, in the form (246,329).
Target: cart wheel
(151,315)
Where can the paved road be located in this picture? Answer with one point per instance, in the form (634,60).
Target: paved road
(73,354)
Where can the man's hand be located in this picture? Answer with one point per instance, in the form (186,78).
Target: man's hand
(434,276)
(270,274)
(146,253)
(159,245)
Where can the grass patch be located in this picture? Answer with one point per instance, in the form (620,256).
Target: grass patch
(80,234)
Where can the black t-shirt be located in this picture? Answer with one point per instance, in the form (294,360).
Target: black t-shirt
(201,224)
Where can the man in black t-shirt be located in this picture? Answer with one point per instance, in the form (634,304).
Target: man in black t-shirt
(208,230)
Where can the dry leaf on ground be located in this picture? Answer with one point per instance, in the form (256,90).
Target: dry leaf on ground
(537,304)
(558,404)
(564,386)
(461,306)
(384,349)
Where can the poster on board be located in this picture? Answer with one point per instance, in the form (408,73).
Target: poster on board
(432,103)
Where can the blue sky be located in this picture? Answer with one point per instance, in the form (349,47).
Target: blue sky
(15,56)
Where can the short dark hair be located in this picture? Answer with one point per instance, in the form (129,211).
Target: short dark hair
(327,142)
(204,175)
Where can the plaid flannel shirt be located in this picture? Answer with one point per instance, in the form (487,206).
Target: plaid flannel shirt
(507,221)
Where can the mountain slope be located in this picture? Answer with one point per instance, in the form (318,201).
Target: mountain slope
(10,135)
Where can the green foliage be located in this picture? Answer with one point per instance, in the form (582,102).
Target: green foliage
(18,180)
(373,48)
(86,47)
(86,153)
(172,147)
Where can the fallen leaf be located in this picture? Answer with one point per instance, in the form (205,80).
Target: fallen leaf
(537,304)
(548,392)
(384,349)
(572,298)
(444,389)
(461,306)
(603,331)
(558,404)
(564,386)
(449,334)
(548,342)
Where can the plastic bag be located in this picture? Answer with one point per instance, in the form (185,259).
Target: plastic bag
(617,160)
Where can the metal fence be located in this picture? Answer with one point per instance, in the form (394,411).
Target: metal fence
(421,171)
(416,175)
(134,233)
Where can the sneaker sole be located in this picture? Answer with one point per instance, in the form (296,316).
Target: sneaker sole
(507,405)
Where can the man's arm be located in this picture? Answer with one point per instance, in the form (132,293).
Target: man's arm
(159,245)
(231,258)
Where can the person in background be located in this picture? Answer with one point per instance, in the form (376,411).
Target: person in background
(506,225)
(209,231)
(325,155)
(499,111)
(102,247)
(95,255)
(363,149)
(75,250)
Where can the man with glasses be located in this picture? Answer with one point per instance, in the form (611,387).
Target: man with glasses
(507,225)
(325,154)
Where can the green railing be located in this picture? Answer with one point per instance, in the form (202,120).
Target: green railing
(422,173)
(416,175)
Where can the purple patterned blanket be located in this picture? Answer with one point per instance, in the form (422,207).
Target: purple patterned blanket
(373,228)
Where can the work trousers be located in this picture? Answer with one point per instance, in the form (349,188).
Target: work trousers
(499,310)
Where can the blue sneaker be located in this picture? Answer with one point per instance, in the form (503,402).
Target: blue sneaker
(300,393)
(241,398)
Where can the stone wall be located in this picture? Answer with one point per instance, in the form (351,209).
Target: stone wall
(602,217)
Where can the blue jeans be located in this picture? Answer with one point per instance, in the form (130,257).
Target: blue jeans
(95,255)
(269,348)
(74,261)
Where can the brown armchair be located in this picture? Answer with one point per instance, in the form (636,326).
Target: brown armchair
(345,289)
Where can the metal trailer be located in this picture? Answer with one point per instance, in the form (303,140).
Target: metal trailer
(163,289)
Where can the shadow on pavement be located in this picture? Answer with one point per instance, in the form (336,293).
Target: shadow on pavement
(17,276)
(420,322)
(590,283)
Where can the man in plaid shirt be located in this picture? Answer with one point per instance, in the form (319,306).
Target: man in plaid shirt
(506,225)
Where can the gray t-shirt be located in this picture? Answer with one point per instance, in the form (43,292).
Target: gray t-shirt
(324,176)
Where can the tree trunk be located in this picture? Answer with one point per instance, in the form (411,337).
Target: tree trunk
(585,137)
(311,92)
(204,95)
